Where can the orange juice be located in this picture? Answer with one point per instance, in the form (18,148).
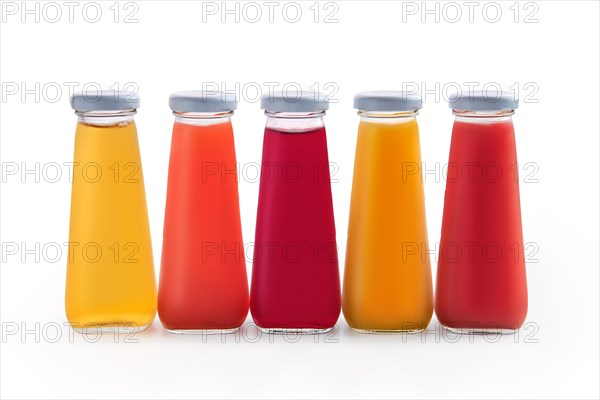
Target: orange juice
(110,272)
(387,280)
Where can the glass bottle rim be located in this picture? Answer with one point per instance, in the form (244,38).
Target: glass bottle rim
(483,113)
(106,113)
(388,114)
(202,115)
(295,114)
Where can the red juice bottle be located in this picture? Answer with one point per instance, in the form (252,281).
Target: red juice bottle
(481,282)
(203,283)
(295,275)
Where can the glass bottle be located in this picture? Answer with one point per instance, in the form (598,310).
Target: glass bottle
(295,276)
(110,272)
(387,278)
(481,283)
(203,283)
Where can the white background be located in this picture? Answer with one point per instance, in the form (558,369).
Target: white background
(370,47)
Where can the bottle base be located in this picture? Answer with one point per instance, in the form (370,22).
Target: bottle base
(480,331)
(202,331)
(387,331)
(119,328)
(294,331)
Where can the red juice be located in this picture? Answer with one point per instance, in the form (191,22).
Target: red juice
(481,283)
(203,282)
(295,277)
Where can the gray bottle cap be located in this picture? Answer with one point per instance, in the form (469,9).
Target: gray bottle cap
(104,100)
(387,101)
(201,101)
(486,100)
(294,101)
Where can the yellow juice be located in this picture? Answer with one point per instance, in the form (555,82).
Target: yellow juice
(110,272)
(387,279)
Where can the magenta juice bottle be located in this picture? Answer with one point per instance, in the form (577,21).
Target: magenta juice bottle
(295,275)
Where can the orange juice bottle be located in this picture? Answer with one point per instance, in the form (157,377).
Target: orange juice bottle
(387,279)
(110,272)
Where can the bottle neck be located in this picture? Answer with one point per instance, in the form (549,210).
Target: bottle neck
(483,117)
(388,117)
(295,122)
(202,119)
(106,118)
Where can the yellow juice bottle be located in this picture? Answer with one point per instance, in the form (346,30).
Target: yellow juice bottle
(110,272)
(387,278)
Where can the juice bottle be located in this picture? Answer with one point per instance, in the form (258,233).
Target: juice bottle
(110,272)
(387,278)
(203,283)
(295,276)
(481,282)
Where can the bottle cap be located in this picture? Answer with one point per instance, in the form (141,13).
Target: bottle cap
(294,101)
(387,101)
(486,100)
(201,101)
(104,100)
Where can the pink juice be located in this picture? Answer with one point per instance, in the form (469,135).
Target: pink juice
(295,279)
